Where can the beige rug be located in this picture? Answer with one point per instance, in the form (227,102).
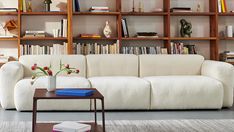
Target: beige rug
(144,126)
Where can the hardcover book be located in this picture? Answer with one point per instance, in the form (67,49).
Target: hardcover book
(74,92)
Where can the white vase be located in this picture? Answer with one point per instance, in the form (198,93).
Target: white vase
(107,30)
(51,83)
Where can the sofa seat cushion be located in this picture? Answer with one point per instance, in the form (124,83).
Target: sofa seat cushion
(185,92)
(123,92)
(24,91)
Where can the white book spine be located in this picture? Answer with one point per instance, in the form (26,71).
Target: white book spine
(219,6)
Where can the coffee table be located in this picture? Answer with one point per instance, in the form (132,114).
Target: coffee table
(42,94)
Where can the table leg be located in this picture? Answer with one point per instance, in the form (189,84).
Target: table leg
(103,115)
(34,115)
(95,111)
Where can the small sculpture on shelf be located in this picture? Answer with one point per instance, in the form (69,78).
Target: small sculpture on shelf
(47,5)
(186,28)
(133,5)
(107,30)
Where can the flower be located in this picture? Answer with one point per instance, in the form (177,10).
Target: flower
(33,68)
(67,66)
(46,68)
(77,71)
(50,73)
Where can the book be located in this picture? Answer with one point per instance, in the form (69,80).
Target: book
(8,10)
(74,92)
(69,126)
(24,6)
(77,5)
(180,9)
(219,6)
(90,36)
(146,35)
(125,28)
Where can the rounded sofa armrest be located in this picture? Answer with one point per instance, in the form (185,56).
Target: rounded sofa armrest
(223,72)
(10,74)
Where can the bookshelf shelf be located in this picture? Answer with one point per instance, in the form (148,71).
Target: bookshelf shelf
(226,14)
(97,13)
(160,38)
(78,38)
(43,13)
(42,38)
(8,39)
(231,63)
(193,13)
(226,38)
(194,38)
(8,13)
(144,13)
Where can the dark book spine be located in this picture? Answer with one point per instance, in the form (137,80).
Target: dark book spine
(125,20)
(77,6)
(62,28)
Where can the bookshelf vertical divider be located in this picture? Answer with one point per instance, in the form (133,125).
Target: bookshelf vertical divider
(70,25)
(119,21)
(166,24)
(19,27)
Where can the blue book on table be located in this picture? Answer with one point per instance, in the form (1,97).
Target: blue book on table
(74,92)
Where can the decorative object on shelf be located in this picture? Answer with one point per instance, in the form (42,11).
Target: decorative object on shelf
(229,31)
(125,32)
(147,35)
(62,6)
(11,27)
(47,5)
(198,7)
(56,33)
(133,5)
(186,28)
(141,7)
(29,6)
(46,71)
(107,30)
(181,9)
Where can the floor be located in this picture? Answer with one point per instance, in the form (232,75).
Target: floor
(12,115)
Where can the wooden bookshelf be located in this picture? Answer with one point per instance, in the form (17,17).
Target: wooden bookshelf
(212,14)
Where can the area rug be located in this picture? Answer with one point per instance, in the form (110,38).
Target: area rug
(144,126)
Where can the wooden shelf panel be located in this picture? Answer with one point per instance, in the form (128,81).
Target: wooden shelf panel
(160,38)
(42,38)
(78,38)
(8,39)
(43,13)
(8,13)
(192,13)
(144,13)
(226,14)
(226,38)
(97,13)
(231,63)
(194,38)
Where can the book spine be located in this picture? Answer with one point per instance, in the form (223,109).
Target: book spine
(24,5)
(222,5)
(219,6)
(225,5)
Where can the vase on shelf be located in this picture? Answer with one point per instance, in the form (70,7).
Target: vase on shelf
(51,83)
(107,30)
(47,5)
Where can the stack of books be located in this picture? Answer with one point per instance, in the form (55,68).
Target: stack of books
(35,34)
(90,36)
(144,50)
(227,56)
(56,49)
(99,9)
(180,48)
(63,30)
(95,48)
(181,9)
(68,126)
(8,10)
(146,35)
(222,6)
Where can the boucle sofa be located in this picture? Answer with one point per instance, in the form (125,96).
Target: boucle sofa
(128,82)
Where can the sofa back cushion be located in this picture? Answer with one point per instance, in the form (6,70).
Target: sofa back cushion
(75,61)
(163,65)
(112,65)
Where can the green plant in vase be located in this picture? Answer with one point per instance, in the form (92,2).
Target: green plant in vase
(46,71)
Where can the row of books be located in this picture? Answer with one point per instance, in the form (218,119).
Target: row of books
(222,6)
(8,10)
(95,48)
(227,56)
(180,48)
(181,9)
(144,50)
(23,5)
(56,49)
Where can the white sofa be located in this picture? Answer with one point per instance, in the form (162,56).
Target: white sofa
(128,82)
